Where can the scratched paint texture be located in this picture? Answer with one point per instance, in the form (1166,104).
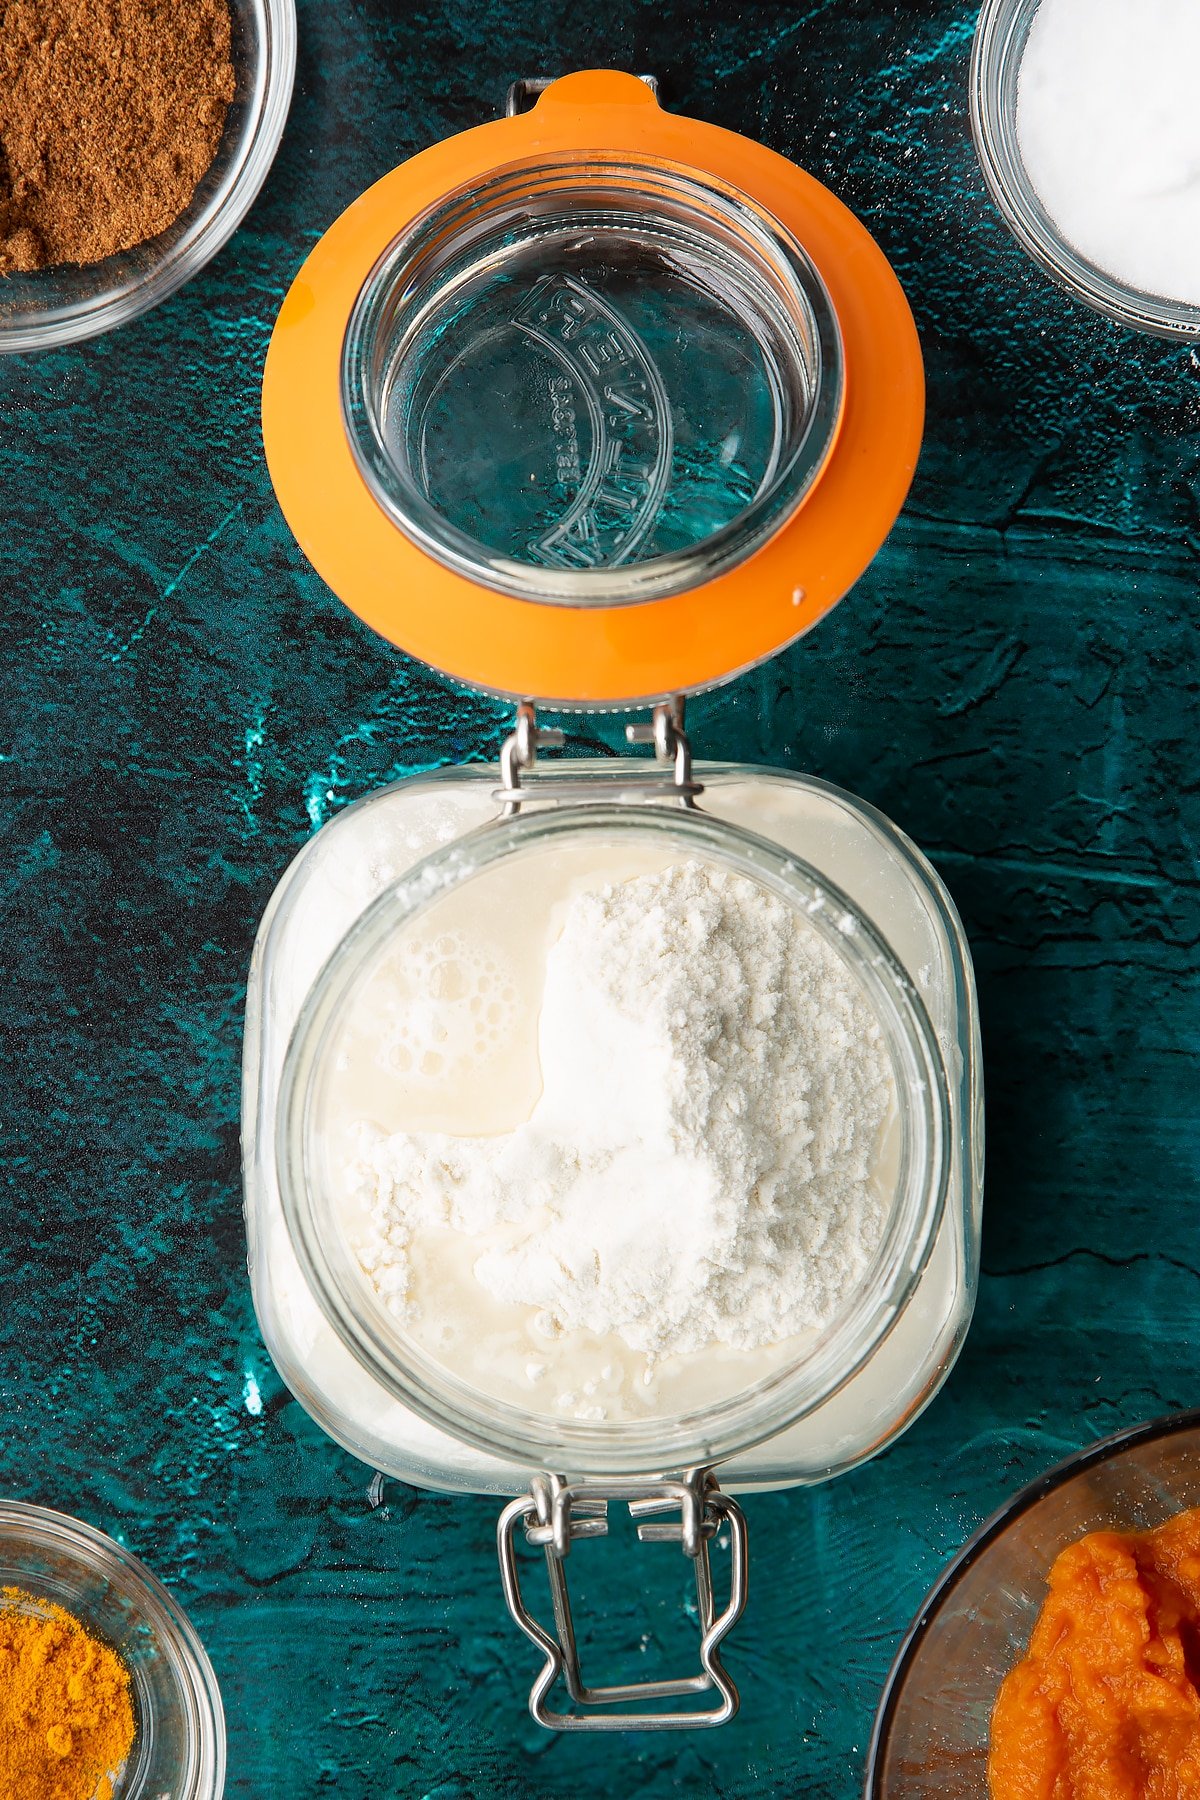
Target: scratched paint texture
(1015,681)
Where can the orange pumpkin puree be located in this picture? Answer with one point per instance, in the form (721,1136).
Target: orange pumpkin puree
(1106,1704)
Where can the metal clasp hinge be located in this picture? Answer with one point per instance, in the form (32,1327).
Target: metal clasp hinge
(525,92)
(554,1515)
(519,754)
(665,731)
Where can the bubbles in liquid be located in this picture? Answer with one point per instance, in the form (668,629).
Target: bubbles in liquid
(448,980)
(446,1003)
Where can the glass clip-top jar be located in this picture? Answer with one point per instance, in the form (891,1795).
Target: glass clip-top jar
(596,407)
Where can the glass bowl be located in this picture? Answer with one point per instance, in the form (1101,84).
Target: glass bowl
(63,304)
(931,1731)
(1000,39)
(664,355)
(179,1748)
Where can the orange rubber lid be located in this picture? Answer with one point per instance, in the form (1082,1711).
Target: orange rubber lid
(570,576)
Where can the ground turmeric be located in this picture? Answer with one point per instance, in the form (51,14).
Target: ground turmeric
(66,1716)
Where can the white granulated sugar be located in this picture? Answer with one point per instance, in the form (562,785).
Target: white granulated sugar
(698,1169)
(1108,122)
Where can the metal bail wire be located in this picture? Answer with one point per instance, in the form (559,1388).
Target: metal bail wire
(554,1514)
(528,89)
(519,755)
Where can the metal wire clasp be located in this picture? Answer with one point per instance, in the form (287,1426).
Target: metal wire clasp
(524,92)
(554,1515)
(519,754)
(665,731)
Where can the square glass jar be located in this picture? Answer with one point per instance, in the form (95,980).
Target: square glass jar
(597,406)
(401,845)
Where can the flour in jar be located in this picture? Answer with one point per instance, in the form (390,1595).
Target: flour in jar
(702,1166)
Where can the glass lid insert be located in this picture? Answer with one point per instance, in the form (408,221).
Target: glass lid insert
(592,383)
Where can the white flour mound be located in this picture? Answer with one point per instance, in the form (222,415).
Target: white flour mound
(698,1169)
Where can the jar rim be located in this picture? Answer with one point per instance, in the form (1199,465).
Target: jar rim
(498,1427)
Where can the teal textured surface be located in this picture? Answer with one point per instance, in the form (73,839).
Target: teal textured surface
(1014,681)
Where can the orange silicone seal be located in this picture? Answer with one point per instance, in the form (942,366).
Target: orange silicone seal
(595,655)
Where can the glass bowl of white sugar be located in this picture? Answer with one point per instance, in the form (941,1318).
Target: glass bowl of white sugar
(1088,133)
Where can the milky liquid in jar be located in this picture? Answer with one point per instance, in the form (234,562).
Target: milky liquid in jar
(442,1045)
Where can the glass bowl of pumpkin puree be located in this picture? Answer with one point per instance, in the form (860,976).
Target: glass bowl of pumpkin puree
(1058,1656)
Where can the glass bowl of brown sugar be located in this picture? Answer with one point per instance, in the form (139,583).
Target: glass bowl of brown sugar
(49,296)
(56,1569)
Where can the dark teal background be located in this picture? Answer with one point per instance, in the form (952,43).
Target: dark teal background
(1014,681)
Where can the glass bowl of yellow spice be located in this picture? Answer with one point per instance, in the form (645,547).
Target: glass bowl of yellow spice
(105,1690)
(133,141)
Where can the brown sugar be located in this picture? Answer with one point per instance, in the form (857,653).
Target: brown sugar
(110,113)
